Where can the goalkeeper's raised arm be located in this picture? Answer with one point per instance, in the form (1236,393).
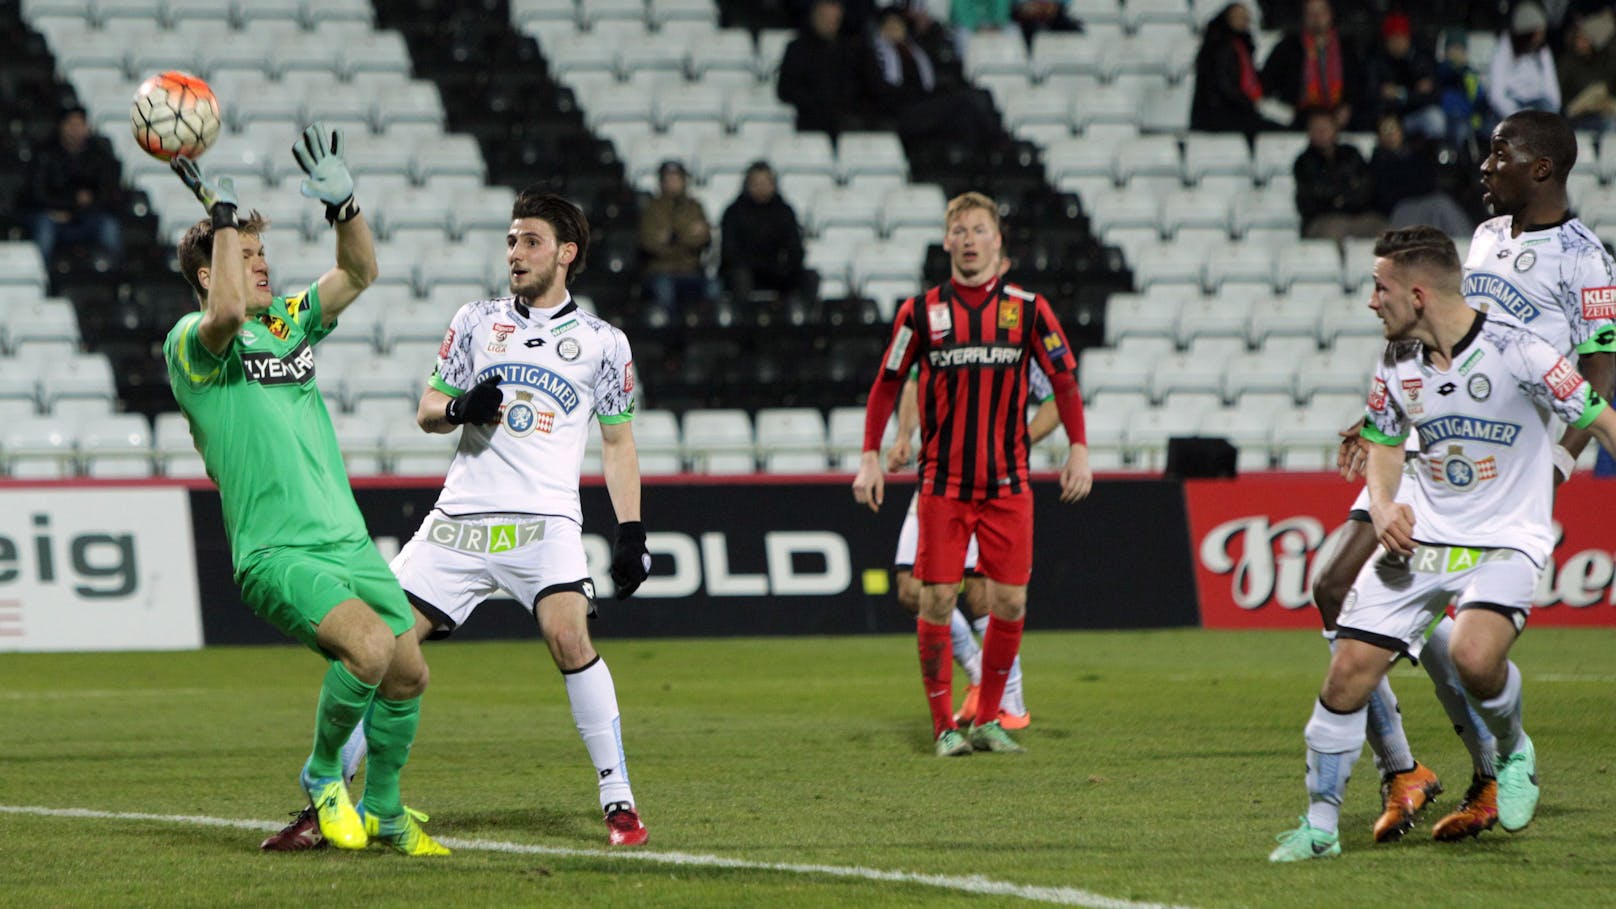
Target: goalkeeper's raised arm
(320,156)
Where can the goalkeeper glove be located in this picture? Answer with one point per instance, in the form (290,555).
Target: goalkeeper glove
(631,563)
(328,178)
(480,406)
(217,196)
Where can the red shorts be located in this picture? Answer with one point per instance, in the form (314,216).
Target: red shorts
(1003,529)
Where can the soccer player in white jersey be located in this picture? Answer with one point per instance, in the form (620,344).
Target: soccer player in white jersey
(523,377)
(1013,713)
(1535,264)
(1476,530)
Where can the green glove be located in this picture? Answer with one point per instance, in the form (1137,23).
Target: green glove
(217,196)
(328,178)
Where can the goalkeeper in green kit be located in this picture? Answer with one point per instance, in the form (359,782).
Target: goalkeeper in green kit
(242,370)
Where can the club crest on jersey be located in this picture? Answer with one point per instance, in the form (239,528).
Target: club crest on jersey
(447,345)
(1009,314)
(1563,379)
(1459,472)
(522,419)
(1598,303)
(569,349)
(1377,395)
(941,320)
(277,326)
(1495,289)
(1525,261)
(1479,387)
(542,380)
(1473,429)
(1412,388)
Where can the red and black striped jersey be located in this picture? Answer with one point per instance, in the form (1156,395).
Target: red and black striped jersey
(971,346)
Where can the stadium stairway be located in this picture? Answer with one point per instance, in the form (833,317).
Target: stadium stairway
(123,312)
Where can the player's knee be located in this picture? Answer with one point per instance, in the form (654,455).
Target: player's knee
(1478,672)
(909,598)
(1009,605)
(570,647)
(406,679)
(368,653)
(1329,592)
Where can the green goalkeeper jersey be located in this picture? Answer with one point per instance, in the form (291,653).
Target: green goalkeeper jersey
(262,429)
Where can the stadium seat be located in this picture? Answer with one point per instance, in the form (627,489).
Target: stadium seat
(1165,107)
(359,436)
(886,261)
(995,52)
(1199,207)
(1151,314)
(591,12)
(19,382)
(1250,430)
(759,104)
(1150,429)
(1160,262)
(1063,53)
(842,208)
(1267,208)
(1346,372)
(1276,153)
(1310,261)
(43,320)
(1249,373)
(117,447)
(804,153)
(1306,438)
(1101,371)
(860,154)
(656,437)
(1344,317)
(410,452)
(40,448)
(771,47)
(1224,317)
(20,263)
(1238,262)
(1128,207)
(1274,317)
(728,50)
(1176,13)
(87,376)
(1216,153)
(791,440)
(1147,156)
(1038,105)
(1186,372)
(913,205)
(172,447)
(1077,157)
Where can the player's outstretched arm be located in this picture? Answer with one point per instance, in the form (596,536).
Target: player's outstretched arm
(620,462)
(1599,369)
(1353,456)
(329,181)
(1394,522)
(226,307)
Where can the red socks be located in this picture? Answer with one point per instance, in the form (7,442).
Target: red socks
(1000,644)
(937,672)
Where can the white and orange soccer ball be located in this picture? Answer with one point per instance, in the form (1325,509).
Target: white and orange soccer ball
(175,113)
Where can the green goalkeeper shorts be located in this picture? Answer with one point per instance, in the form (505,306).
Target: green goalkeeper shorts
(295,587)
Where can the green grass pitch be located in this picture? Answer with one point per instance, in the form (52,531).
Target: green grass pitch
(1160,766)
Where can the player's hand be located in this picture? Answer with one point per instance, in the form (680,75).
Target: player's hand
(480,406)
(1076,479)
(631,561)
(901,453)
(869,487)
(1394,527)
(1353,457)
(211,193)
(328,179)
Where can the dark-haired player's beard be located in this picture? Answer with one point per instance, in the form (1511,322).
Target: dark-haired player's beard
(535,284)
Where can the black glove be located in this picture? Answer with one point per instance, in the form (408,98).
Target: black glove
(631,563)
(480,406)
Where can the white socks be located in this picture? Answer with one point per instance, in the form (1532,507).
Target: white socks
(594,710)
(966,652)
(1333,743)
(1503,713)
(1387,740)
(1438,663)
(353,753)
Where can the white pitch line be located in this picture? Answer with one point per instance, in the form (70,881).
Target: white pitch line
(1064,896)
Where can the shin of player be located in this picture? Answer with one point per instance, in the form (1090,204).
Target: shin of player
(972,338)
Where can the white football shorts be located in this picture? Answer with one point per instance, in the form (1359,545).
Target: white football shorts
(909,540)
(1395,599)
(452,565)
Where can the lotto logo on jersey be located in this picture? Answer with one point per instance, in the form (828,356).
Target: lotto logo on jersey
(448,343)
(1563,379)
(1598,303)
(1377,395)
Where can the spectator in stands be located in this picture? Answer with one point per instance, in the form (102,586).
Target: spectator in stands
(1227,87)
(1587,73)
(1522,75)
(1036,16)
(933,36)
(1464,98)
(762,245)
(972,16)
(901,85)
(1404,178)
(1316,69)
(673,234)
(1402,80)
(819,72)
(72,192)
(1334,193)
(856,15)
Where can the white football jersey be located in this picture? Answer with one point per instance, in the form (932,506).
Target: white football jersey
(1485,477)
(1558,282)
(558,369)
